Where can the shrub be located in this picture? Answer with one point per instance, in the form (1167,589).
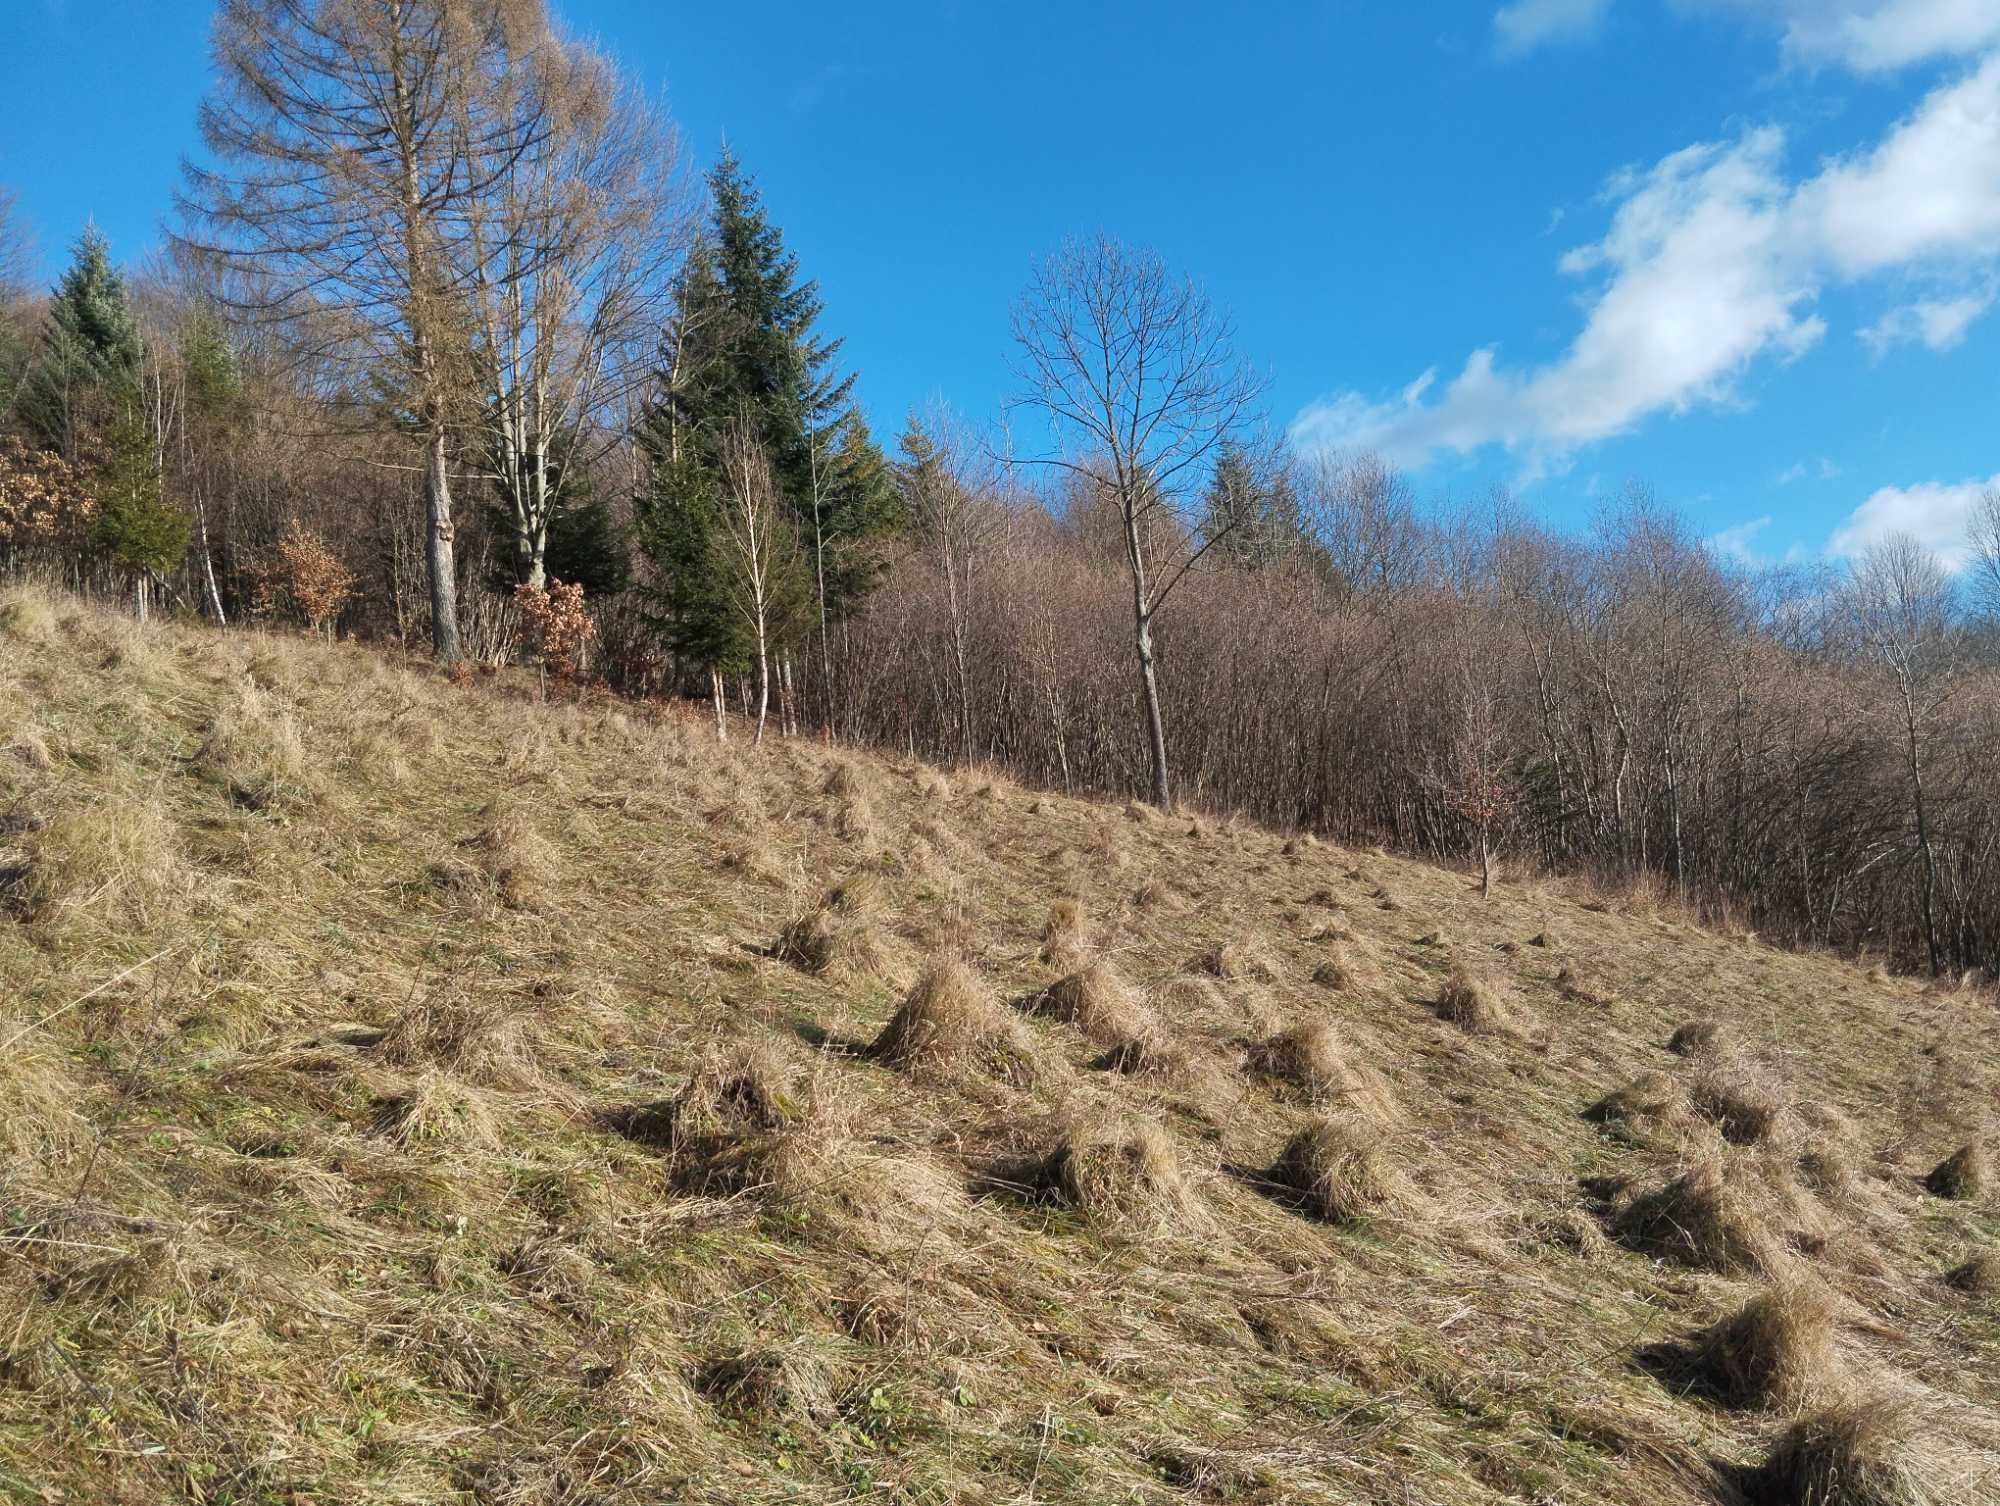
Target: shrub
(304,576)
(556,623)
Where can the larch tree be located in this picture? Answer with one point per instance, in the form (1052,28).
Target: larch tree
(1136,372)
(359,143)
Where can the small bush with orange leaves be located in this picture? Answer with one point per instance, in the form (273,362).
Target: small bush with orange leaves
(557,623)
(44,499)
(305,577)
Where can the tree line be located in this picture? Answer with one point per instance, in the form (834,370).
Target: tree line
(450,347)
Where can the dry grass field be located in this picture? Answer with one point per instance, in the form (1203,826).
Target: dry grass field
(414,1092)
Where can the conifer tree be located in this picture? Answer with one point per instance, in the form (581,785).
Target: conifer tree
(744,353)
(90,351)
(135,525)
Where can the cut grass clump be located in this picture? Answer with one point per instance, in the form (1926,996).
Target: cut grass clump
(439,1109)
(1066,934)
(1962,1175)
(949,1021)
(254,748)
(1855,1453)
(1697,1038)
(518,862)
(838,934)
(1653,1100)
(1334,970)
(1123,1174)
(732,1091)
(1099,1003)
(482,1043)
(1741,1107)
(770,1384)
(1310,1058)
(1777,1350)
(117,863)
(1478,1004)
(1188,996)
(1979,1276)
(1829,1155)
(1709,1217)
(1339,1171)
(1238,958)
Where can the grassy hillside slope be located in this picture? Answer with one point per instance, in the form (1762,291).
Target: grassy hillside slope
(414,1093)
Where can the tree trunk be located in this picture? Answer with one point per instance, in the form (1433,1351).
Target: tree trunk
(439,539)
(1924,850)
(1156,731)
(721,721)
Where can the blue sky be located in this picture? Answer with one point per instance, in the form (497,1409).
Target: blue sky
(1744,250)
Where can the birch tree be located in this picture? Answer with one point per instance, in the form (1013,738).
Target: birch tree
(759,567)
(573,260)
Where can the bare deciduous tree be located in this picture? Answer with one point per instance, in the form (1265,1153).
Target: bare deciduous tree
(1984,535)
(1902,600)
(949,489)
(573,257)
(1137,370)
(359,141)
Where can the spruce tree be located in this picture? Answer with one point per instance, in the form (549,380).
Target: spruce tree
(745,349)
(135,525)
(90,352)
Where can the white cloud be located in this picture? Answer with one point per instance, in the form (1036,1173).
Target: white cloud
(1738,543)
(1874,36)
(1936,323)
(1713,261)
(1934,513)
(1525,25)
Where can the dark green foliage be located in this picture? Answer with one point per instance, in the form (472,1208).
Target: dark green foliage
(134,524)
(1254,518)
(679,518)
(90,350)
(744,349)
(588,547)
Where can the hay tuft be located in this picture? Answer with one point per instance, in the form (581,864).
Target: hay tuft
(1698,1038)
(1711,1217)
(1339,1170)
(950,1020)
(1651,1100)
(1310,1057)
(1477,1004)
(1099,1003)
(1741,1106)
(838,934)
(1124,1174)
(1854,1453)
(1777,1350)
(1979,1276)
(1961,1176)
